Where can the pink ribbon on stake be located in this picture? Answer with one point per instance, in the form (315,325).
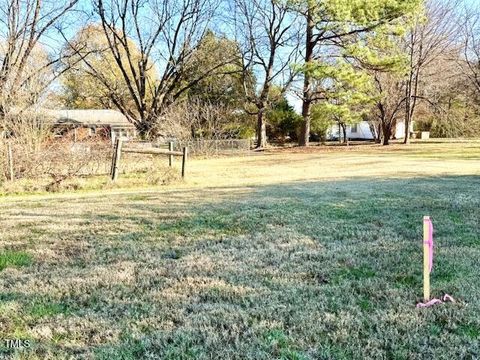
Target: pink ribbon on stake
(432,302)
(429,242)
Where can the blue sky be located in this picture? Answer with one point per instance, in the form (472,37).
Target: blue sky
(73,23)
(86,6)
(471,2)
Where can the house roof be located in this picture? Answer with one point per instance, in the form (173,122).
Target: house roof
(88,117)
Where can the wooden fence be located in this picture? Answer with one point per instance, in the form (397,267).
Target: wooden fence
(205,147)
(119,149)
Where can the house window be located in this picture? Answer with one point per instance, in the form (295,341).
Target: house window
(353,128)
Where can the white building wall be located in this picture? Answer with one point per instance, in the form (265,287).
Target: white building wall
(400,130)
(362,131)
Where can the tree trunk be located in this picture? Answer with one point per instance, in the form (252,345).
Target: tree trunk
(378,140)
(307,92)
(386,140)
(410,107)
(344,130)
(406,139)
(410,110)
(387,133)
(261,130)
(145,127)
(412,89)
(305,129)
(408,95)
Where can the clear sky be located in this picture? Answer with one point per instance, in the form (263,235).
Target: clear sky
(74,22)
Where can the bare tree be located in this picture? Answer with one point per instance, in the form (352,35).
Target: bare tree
(470,61)
(24,25)
(432,36)
(192,119)
(389,104)
(159,37)
(269,42)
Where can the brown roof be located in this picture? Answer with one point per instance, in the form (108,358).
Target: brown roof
(88,117)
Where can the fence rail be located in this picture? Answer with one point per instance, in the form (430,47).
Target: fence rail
(145,150)
(210,147)
(63,158)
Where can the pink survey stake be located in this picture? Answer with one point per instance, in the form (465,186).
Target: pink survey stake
(429,242)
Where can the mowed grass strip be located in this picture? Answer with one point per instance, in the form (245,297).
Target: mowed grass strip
(314,269)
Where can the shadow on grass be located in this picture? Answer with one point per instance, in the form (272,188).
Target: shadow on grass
(298,270)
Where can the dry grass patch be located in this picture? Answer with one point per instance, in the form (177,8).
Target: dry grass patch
(315,265)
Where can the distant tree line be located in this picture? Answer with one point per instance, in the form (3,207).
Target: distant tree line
(232,68)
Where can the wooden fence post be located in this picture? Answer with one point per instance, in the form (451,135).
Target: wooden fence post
(117,152)
(170,157)
(10,161)
(115,144)
(184,160)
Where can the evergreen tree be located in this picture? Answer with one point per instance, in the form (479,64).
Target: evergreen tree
(333,24)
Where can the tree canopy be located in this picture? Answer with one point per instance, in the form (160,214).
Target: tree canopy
(344,61)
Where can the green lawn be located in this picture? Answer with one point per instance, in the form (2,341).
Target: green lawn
(284,255)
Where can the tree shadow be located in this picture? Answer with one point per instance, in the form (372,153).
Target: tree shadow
(217,269)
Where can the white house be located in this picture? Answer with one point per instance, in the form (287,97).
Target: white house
(363,131)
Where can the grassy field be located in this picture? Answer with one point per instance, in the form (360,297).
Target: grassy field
(289,254)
